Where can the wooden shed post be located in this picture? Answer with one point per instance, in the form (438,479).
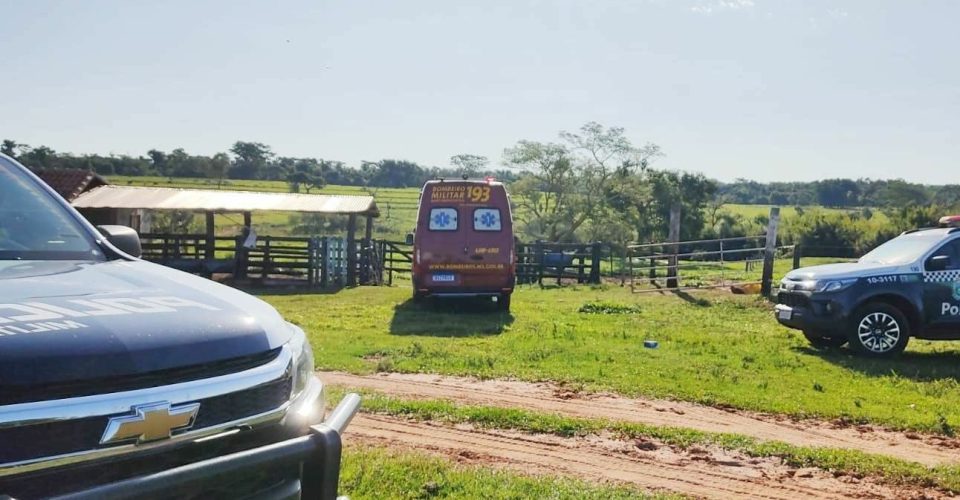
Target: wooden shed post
(366,249)
(352,251)
(210,243)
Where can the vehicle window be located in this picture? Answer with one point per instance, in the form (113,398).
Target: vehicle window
(486,219)
(950,249)
(33,226)
(900,250)
(443,219)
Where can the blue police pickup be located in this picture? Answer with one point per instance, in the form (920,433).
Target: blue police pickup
(124,379)
(907,287)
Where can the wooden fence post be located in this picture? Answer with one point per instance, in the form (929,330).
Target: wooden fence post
(769,252)
(673,238)
(538,249)
(797,255)
(324,262)
(595,259)
(265,268)
(210,244)
(311,262)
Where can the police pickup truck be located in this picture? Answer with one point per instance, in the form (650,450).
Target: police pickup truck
(907,287)
(124,379)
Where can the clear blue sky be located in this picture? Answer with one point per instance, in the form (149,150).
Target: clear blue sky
(768,90)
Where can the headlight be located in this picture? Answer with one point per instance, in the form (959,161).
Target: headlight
(833,285)
(302,359)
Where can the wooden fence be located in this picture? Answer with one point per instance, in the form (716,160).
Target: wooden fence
(313,262)
(536,261)
(541,261)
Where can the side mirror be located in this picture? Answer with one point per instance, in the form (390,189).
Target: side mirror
(124,238)
(938,263)
(409,239)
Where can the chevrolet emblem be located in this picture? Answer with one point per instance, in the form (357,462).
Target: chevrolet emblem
(150,422)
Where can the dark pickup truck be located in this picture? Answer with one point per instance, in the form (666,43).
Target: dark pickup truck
(124,379)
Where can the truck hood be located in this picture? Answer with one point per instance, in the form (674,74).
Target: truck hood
(68,321)
(842,271)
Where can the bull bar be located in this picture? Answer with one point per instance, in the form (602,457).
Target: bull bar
(318,452)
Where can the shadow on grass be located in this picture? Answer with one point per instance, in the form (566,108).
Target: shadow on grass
(449,318)
(916,366)
(265,290)
(697,301)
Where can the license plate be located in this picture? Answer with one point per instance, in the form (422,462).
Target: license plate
(785,313)
(446,277)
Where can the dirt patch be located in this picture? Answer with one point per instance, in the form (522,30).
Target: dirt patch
(925,449)
(707,472)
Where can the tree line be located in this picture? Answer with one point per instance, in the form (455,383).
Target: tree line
(839,193)
(255,161)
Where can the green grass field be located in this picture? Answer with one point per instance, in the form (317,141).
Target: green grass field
(715,348)
(382,473)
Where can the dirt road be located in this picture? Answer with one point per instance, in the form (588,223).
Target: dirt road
(928,450)
(697,472)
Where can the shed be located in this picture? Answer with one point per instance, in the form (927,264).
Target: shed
(114,199)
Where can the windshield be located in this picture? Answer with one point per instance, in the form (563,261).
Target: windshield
(901,250)
(33,226)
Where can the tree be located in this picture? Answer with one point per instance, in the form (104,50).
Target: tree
(837,192)
(9,148)
(545,192)
(305,172)
(250,159)
(565,186)
(899,193)
(948,195)
(469,165)
(158,159)
(219,165)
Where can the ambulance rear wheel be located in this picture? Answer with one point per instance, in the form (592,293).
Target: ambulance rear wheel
(824,342)
(878,330)
(503,302)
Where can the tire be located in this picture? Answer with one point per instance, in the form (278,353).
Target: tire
(824,341)
(419,298)
(878,330)
(503,302)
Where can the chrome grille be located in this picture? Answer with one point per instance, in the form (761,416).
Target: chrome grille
(41,435)
(59,438)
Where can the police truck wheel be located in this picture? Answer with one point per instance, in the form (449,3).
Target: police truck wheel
(879,330)
(824,342)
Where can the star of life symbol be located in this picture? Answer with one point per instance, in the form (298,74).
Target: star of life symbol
(441,219)
(488,219)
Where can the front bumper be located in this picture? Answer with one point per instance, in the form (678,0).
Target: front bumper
(84,475)
(317,454)
(811,313)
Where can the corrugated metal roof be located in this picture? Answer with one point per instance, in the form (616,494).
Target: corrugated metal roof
(204,200)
